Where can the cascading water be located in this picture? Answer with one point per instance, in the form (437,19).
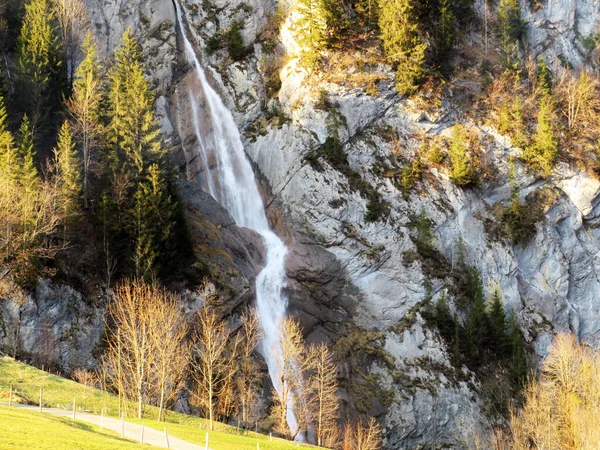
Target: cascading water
(230,180)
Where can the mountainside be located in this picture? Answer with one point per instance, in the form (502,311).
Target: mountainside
(374,237)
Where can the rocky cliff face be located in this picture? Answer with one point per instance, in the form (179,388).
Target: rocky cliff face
(348,273)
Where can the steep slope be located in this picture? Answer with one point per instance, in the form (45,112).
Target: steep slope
(360,283)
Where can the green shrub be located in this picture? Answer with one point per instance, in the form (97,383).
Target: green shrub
(423,235)
(464,168)
(519,220)
(410,174)
(235,42)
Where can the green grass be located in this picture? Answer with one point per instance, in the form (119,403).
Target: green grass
(59,392)
(32,430)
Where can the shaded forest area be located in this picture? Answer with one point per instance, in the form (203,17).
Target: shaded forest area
(89,191)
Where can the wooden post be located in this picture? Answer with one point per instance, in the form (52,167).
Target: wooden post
(207,440)
(123,425)
(10,396)
(142,434)
(41,391)
(167,438)
(74,407)
(102,419)
(271,437)
(258,446)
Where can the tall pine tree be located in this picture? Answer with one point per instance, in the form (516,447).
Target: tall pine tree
(518,363)
(403,45)
(543,151)
(444,35)
(143,220)
(67,171)
(311,29)
(41,69)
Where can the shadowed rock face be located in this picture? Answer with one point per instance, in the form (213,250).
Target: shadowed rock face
(233,252)
(317,290)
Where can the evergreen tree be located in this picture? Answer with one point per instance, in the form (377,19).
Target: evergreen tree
(367,12)
(133,132)
(498,331)
(312,31)
(67,170)
(463,11)
(27,174)
(518,363)
(40,62)
(235,41)
(511,25)
(85,108)
(544,77)
(512,29)
(462,172)
(443,37)
(144,223)
(403,45)
(154,214)
(444,320)
(424,236)
(477,328)
(544,149)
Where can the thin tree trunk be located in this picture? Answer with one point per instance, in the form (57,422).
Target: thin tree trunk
(162,400)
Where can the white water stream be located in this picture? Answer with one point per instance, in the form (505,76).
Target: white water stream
(230,180)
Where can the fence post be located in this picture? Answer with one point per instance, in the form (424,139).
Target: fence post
(142,434)
(102,419)
(167,438)
(10,396)
(207,440)
(123,425)
(41,390)
(271,437)
(74,407)
(258,446)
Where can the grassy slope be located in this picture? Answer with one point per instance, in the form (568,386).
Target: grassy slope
(32,430)
(27,380)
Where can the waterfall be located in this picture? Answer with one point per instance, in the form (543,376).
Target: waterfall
(230,180)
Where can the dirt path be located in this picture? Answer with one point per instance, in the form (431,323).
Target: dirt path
(132,430)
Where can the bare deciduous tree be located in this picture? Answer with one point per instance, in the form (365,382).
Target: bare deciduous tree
(88,380)
(362,435)
(213,363)
(289,362)
(29,219)
(170,351)
(322,388)
(147,356)
(561,407)
(248,374)
(579,95)
(84,108)
(130,353)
